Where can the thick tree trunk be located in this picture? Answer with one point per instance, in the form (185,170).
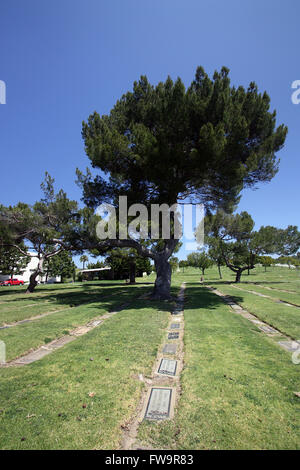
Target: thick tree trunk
(163,279)
(32,282)
(203,269)
(32,279)
(238,275)
(219,269)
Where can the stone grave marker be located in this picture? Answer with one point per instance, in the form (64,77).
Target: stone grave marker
(267,329)
(167,367)
(170,348)
(173,335)
(290,346)
(159,403)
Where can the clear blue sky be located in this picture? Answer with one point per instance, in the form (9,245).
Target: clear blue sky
(63,59)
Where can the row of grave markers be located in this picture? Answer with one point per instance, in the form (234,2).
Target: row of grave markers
(161,399)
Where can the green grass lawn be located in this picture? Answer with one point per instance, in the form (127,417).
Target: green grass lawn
(15,305)
(237,384)
(290,297)
(48,402)
(21,338)
(284,318)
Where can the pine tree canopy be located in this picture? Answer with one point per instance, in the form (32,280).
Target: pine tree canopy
(163,143)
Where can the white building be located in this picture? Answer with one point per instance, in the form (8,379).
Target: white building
(30,268)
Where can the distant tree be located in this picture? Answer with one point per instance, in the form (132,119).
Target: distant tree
(199,260)
(239,245)
(98,264)
(60,265)
(174,262)
(215,254)
(83,259)
(165,143)
(289,241)
(126,264)
(47,227)
(143,265)
(289,260)
(12,261)
(183,264)
(266,261)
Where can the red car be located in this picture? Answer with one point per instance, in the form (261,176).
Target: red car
(12,282)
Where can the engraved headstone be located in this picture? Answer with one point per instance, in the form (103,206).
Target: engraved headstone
(174,326)
(173,335)
(159,403)
(167,367)
(170,348)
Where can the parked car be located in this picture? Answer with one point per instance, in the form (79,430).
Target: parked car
(12,282)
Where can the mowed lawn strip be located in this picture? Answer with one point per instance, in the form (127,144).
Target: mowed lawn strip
(24,307)
(293,298)
(46,405)
(277,277)
(237,386)
(286,319)
(20,339)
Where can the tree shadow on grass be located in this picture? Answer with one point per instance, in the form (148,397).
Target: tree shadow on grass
(198,297)
(89,294)
(45,288)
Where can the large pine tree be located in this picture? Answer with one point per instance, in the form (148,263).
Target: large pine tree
(164,143)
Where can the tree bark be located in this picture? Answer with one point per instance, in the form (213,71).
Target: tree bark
(32,279)
(162,284)
(163,269)
(219,269)
(32,283)
(238,275)
(132,273)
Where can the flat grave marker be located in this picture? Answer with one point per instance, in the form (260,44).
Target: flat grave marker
(174,326)
(159,403)
(267,329)
(290,346)
(173,335)
(170,348)
(167,367)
